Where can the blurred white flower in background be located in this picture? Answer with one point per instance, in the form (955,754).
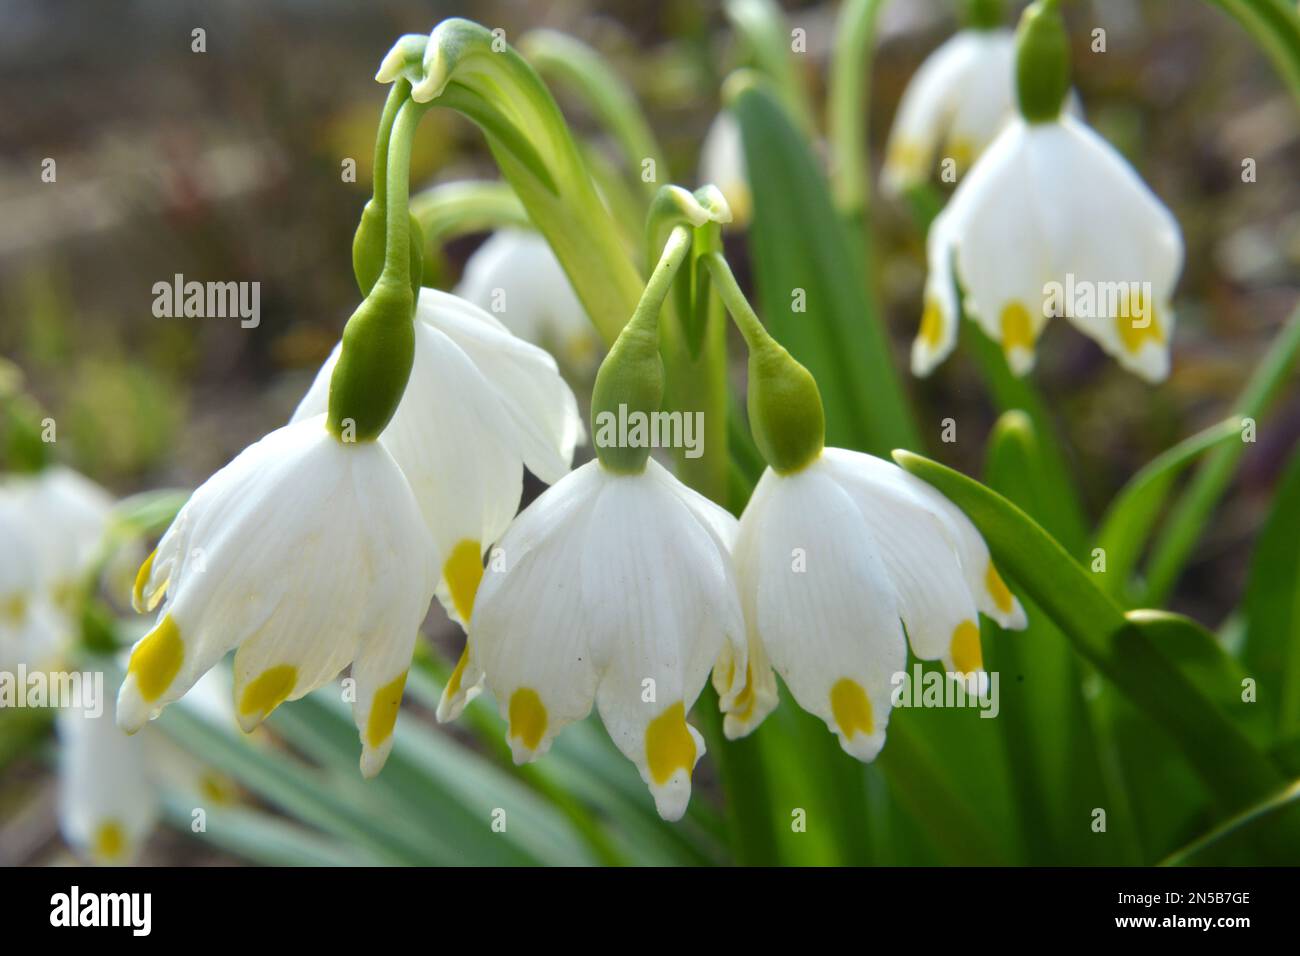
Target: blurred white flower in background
(110,784)
(722,163)
(1052,219)
(954,105)
(515,276)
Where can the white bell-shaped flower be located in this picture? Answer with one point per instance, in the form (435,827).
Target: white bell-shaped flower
(833,561)
(954,106)
(615,589)
(515,276)
(480,406)
(306,553)
(1053,221)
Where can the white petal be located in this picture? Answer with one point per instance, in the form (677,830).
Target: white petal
(1112,237)
(983,581)
(920,557)
(542,407)
(1003,247)
(937,335)
(825,609)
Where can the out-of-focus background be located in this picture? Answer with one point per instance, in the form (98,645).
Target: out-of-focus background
(227,165)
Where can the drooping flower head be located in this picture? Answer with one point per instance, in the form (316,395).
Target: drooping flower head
(308,551)
(722,164)
(837,553)
(1051,220)
(614,588)
(305,554)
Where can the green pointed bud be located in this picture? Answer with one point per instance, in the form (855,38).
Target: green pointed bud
(785,408)
(374,362)
(368,249)
(1042,62)
(984,14)
(629,387)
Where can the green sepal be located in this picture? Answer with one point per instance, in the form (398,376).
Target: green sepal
(1042,62)
(374,363)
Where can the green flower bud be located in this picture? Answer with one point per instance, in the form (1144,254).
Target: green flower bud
(785,408)
(1042,62)
(374,362)
(631,379)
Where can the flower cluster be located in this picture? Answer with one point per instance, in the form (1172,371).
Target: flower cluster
(1049,221)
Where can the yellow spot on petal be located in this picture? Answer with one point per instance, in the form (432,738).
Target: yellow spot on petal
(962,152)
(268,691)
(527,717)
(383,711)
(463,571)
(966,654)
(998,590)
(109,841)
(217,788)
(458,675)
(13,609)
(669,745)
(931,331)
(1017,328)
(907,158)
(743,708)
(851,707)
(157,659)
(142,579)
(1137,325)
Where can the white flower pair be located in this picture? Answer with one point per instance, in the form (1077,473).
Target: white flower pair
(622,590)
(1049,221)
(307,553)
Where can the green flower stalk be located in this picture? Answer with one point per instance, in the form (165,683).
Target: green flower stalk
(631,379)
(379,339)
(785,405)
(465,67)
(370,242)
(1042,62)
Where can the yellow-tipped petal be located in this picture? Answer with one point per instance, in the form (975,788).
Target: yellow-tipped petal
(463,572)
(851,707)
(669,746)
(527,717)
(967,656)
(157,659)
